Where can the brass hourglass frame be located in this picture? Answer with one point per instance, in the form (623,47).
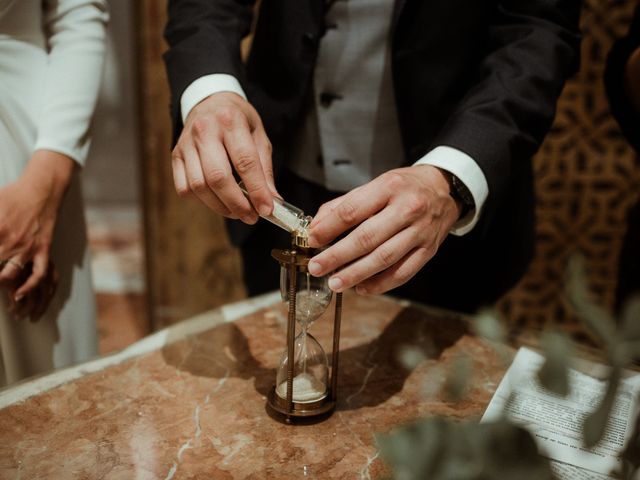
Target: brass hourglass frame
(296,260)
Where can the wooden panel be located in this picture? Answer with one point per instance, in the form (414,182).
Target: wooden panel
(190,265)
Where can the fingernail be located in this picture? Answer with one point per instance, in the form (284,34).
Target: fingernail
(264,210)
(314,268)
(335,284)
(249,219)
(18,297)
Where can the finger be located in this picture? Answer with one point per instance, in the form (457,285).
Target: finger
(264,152)
(324,210)
(366,238)
(44,292)
(328,208)
(218,175)
(12,269)
(179,174)
(22,308)
(382,258)
(354,207)
(44,296)
(198,185)
(38,272)
(244,155)
(55,278)
(399,274)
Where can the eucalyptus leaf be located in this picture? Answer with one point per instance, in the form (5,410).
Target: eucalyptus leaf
(596,318)
(433,383)
(554,373)
(630,320)
(436,449)
(410,356)
(457,379)
(596,423)
(488,325)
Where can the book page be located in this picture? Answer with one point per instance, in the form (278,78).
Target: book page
(556,422)
(565,471)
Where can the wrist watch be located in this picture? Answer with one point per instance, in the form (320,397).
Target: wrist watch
(460,193)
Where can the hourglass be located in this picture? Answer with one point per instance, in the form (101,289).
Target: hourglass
(303,387)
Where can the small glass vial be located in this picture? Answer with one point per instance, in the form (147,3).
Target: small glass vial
(287,217)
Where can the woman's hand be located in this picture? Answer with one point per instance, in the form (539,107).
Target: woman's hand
(28,213)
(34,303)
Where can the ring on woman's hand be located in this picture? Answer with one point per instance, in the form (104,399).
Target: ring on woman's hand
(15,263)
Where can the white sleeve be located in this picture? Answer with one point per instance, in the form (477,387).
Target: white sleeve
(75,32)
(468,172)
(205,86)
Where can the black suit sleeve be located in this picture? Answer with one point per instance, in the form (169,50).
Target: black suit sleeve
(533,47)
(204,38)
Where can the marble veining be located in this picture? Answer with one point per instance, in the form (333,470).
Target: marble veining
(190,403)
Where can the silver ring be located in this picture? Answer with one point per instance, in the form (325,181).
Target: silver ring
(15,263)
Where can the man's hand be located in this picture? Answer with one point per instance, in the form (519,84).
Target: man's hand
(223,132)
(28,213)
(401,218)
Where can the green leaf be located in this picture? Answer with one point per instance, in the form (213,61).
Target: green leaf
(488,325)
(596,423)
(457,379)
(554,373)
(437,449)
(410,356)
(596,318)
(630,319)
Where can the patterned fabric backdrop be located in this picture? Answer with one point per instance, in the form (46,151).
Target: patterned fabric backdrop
(587,177)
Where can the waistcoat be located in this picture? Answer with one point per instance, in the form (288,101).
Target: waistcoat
(350,132)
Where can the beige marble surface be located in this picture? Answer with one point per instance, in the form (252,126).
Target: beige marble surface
(189,402)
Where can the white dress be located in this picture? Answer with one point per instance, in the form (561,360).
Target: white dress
(51,57)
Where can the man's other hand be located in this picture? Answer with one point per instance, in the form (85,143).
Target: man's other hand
(400,220)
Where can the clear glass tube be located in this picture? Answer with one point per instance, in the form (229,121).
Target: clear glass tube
(286,216)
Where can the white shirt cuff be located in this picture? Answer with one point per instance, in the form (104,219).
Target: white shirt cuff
(205,86)
(468,172)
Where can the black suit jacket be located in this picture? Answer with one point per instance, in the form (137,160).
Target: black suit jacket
(482,76)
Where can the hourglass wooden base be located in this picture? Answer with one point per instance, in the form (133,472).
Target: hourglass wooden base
(300,409)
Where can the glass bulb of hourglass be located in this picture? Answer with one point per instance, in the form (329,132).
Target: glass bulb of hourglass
(310,368)
(310,371)
(313,295)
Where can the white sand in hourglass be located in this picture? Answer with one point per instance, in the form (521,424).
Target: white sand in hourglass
(310,304)
(306,388)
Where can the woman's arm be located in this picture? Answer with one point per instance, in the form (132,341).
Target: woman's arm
(75,32)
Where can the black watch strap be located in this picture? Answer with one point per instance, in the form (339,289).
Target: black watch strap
(461,193)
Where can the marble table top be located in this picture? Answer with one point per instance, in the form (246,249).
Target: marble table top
(189,401)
